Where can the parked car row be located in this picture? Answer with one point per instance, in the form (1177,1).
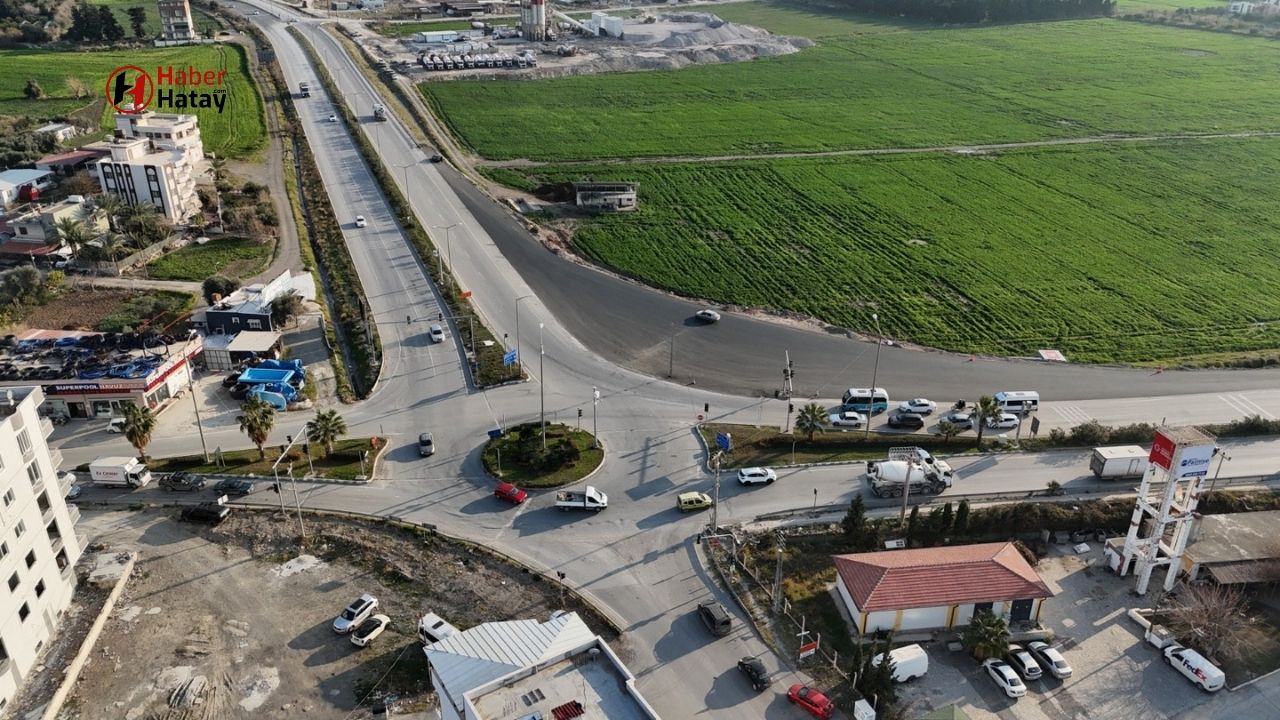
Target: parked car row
(360,622)
(1021,665)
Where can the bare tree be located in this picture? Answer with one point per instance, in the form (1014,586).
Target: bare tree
(1214,619)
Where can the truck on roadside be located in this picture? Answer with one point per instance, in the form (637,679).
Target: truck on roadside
(380,112)
(1115,463)
(588,499)
(119,472)
(929,475)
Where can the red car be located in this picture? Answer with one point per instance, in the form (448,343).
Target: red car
(510,493)
(813,701)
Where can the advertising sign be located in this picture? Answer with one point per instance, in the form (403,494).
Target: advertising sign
(1162,450)
(1194,461)
(808,650)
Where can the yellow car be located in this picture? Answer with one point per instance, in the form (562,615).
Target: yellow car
(692,501)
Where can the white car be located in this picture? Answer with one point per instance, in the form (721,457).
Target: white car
(751,476)
(115,425)
(1050,659)
(960,419)
(369,629)
(437,334)
(1005,677)
(919,406)
(707,315)
(360,221)
(356,613)
(848,418)
(1003,421)
(333,117)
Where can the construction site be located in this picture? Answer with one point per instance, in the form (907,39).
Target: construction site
(544,40)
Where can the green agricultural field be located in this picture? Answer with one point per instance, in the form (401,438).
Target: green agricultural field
(1110,253)
(923,88)
(239,131)
(152,26)
(234,257)
(809,22)
(409,28)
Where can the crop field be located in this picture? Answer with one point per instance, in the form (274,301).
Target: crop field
(234,257)
(922,88)
(237,132)
(1115,253)
(812,23)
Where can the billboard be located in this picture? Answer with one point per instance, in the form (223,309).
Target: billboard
(1193,461)
(1162,450)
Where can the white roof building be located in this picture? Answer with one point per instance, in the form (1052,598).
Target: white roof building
(533,667)
(12,182)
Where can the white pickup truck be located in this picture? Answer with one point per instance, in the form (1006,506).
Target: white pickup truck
(590,499)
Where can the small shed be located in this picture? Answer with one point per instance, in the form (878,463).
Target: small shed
(612,196)
(227,352)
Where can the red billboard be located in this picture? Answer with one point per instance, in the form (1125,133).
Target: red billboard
(1162,450)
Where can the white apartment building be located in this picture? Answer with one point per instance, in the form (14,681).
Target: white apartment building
(165,131)
(38,544)
(175,20)
(137,172)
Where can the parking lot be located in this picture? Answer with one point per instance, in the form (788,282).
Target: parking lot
(1116,674)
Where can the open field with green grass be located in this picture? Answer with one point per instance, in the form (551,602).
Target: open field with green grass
(234,257)
(237,132)
(813,23)
(152,26)
(343,463)
(409,28)
(921,88)
(1109,253)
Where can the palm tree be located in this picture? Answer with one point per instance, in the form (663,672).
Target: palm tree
(139,423)
(987,636)
(112,244)
(812,418)
(111,205)
(327,426)
(948,430)
(985,407)
(256,422)
(72,232)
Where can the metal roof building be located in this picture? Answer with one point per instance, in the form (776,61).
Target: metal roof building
(558,668)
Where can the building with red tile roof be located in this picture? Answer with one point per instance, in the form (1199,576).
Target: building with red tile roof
(939,587)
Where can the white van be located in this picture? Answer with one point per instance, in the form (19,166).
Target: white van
(909,662)
(1195,667)
(1018,402)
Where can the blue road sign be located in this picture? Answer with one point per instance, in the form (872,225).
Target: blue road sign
(724,441)
(495,433)
(509,358)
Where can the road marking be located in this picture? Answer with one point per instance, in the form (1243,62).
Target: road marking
(1245,406)
(1072,413)
(520,510)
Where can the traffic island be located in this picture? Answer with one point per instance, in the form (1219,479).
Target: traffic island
(351,459)
(518,456)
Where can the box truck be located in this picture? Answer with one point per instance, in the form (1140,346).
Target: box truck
(119,472)
(1114,463)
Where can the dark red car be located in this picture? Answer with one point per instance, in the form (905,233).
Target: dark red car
(813,701)
(510,493)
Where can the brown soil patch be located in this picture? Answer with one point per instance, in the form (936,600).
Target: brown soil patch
(81,309)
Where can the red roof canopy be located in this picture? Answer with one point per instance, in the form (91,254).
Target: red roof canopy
(930,577)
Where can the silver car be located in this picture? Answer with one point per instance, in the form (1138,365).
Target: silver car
(357,612)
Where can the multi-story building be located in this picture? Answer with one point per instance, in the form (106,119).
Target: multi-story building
(165,131)
(137,172)
(38,544)
(175,20)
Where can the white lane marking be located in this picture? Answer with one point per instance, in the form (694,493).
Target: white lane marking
(1245,406)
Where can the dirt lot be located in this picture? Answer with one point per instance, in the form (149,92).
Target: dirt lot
(82,309)
(234,622)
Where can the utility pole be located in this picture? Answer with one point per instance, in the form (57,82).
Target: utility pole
(788,372)
(777,578)
(542,387)
(715,500)
(298,505)
(595,400)
(191,372)
(1222,456)
(671,352)
(874,371)
(519,350)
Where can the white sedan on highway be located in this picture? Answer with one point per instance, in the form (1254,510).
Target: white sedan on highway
(360,221)
(919,406)
(751,476)
(848,418)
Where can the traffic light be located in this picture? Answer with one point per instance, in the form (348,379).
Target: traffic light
(579,412)
(440,317)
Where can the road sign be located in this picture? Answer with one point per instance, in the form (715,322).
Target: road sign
(495,433)
(724,441)
(700,417)
(808,650)
(1035,426)
(509,358)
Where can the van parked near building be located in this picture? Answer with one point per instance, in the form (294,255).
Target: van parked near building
(1018,402)
(909,662)
(1195,667)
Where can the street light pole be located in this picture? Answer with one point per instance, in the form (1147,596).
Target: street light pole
(519,351)
(448,247)
(1221,458)
(715,500)
(196,405)
(875,370)
(671,352)
(542,388)
(595,400)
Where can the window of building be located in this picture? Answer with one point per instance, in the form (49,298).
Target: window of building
(24,611)
(9,497)
(20,528)
(33,472)
(4,652)
(22,229)
(40,588)
(31,558)
(235,320)
(4,550)
(24,442)
(13,581)
(255,324)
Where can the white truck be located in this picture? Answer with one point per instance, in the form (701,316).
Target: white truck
(1114,463)
(590,499)
(304,90)
(119,472)
(929,476)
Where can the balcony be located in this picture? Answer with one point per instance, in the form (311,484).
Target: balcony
(46,427)
(73,512)
(65,481)
(55,459)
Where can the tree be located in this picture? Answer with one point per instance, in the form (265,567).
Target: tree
(21,283)
(80,183)
(1214,619)
(72,232)
(285,307)
(986,407)
(33,91)
(77,87)
(812,418)
(138,21)
(111,205)
(220,285)
(939,523)
(961,524)
(110,245)
(987,636)
(139,423)
(913,524)
(855,520)
(326,427)
(108,26)
(256,421)
(948,430)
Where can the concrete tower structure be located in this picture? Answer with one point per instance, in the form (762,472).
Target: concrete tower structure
(533,20)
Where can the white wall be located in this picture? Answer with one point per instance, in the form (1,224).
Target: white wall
(880,620)
(924,618)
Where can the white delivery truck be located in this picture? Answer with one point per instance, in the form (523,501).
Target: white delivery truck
(119,472)
(1114,463)
(590,499)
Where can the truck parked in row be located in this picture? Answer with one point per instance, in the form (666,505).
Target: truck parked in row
(929,475)
(589,499)
(1115,463)
(119,472)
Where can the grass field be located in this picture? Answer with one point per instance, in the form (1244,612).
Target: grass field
(1126,252)
(152,26)
(239,131)
(234,257)
(343,463)
(409,28)
(812,23)
(887,89)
